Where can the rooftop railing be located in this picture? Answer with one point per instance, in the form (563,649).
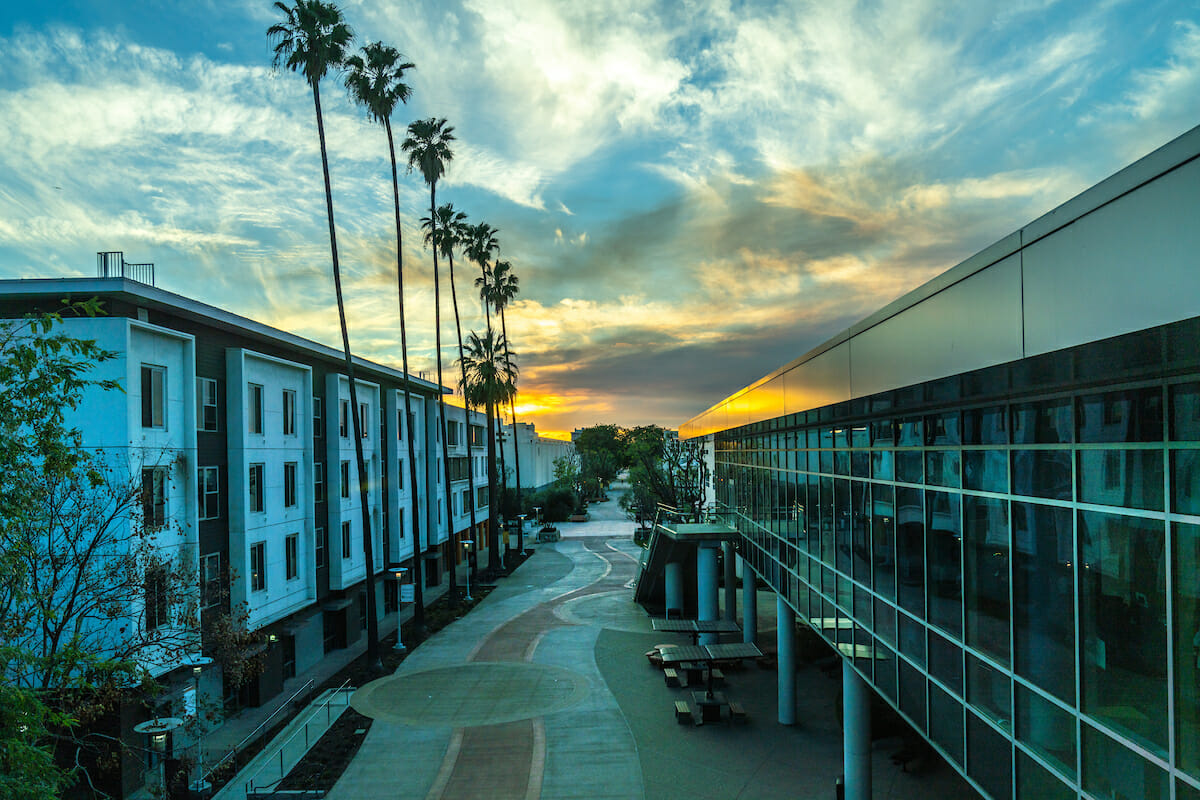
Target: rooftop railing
(112,264)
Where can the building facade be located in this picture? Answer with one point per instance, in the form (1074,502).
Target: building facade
(537,454)
(986,496)
(244,437)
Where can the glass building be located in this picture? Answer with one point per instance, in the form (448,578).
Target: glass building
(987,496)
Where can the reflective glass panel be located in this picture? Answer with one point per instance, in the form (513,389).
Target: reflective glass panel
(942,468)
(885,671)
(1043,422)
(946,662)
(1134,415)
(1046,728)
(860,532)
(910,549)
(1042,473)
(883,433)
(946,722)
(942,429)
(1123,623)
(910,466)
(841,462)
(989,758)
(1034,780)
(1185,791)
(985,470)
(1043,598)
(883,465)
(985,426)
(1185,481)
(883,539)
(1185,412)
(1128,478)
(1112,771)
(943,538)
(860,463)
(841,494)
(989,691)
(1186,576)
(985,560)
(912,639)
(885,622)
(912,694)
(909,433)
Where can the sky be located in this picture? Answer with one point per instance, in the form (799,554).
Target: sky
(691,192)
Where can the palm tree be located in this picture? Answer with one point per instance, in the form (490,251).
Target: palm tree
(448,225)
(489,382)
(312,38)
(428,148)
(375,79)
(481,246)
(505,287)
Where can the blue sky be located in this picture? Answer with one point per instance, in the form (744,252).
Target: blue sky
(691,192)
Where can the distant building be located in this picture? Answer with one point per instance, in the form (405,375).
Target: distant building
(537,455)
(243,436)
(986,497)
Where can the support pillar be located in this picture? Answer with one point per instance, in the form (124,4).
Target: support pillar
(856,733)
(785,634)
(673,576)
(730,582)
(706,588)
(749,604)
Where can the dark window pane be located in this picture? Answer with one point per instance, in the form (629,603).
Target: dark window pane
(946,722)
(1185,791)
(941,468)
(912,639)
(1186,570)
(942,429)
(885,671)
(1044,422)
(912,695)
(841,494)
(827,516)
(945,662)
(910,549)
(841,462)
(860,464)
(1127,478)
(883,433)
(826,462)
(1042,473)
(1043,598)
(1185,412)
(860,436)
(1114,772)
(1034,780)
(1185,481)
(985,561)
(985,426)
(882,465)
(860,532)
(909,433)
(985,470)
(883,539)
(1130,416)
(885,622)
(989,691)
(910,466)
(943,538)
(1046,728)
(1123,623)
(989,758)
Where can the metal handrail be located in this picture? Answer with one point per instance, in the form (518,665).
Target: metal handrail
(237,747)
(250,787)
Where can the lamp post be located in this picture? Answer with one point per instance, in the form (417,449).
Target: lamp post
(399,572)
(521,533)
(467,544)
(198,661)
(156,730)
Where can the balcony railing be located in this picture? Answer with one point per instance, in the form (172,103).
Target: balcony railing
(112,264)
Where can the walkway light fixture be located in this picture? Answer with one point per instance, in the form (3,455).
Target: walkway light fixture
(198,661)
(399,572)
(467,544)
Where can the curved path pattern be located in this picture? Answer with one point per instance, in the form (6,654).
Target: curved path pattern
(508,702)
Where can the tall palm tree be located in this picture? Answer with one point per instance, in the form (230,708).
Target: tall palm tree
(375,79)
(428,148)
(312,38)
(448,224)
(482,245)
(489,382)
(505,287)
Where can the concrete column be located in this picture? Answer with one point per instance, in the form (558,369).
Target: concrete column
(856,733)
(786,642)
(730,583)
(706,588)
(673,576)
(749,604)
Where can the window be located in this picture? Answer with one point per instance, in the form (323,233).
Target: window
(258,566)
(476,434)
(452,434)
(481,497)
(363,416)
(346,539)
(382,427)
(318,422)
(210,492)
(289,412)
(154,397)
(210,580)
(256,487)
(399,425)
(289,484)
(292,556)
(318,482)
(320,536)
(343,418)
(206,404)
(154,497)
(400,475)
(345,479)
(157,605)
(254,413)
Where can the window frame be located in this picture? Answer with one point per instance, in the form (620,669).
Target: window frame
(258,567)
(289,412)
(344,418)
(205,386)
(317,419)
(209,497)
(319,547)
(291,554)
(157,597)
(210,580)
(255,409)
(290,478)
(364,416)
(318,481)
(154,396)
(154,498)
(254,486)
(347,535)
(345,479)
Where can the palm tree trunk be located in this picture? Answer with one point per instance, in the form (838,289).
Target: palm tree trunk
(512,407)
(466,406)
(418,595)
(437,302)
(363,487)
(493,527)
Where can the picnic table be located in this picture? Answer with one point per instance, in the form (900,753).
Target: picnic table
(711,703)
(695,627)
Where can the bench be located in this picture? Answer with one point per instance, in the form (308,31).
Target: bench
(718,677)
(671,677)
(548,536)
(683,713)
(736,712)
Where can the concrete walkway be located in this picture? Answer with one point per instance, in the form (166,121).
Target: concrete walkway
(543,691)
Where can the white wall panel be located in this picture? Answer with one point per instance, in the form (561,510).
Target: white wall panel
(821,380)
(972,324)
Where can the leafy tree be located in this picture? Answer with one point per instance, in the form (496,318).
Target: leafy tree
(600,438)
(375,79)
(489,382)
(313,38)
(428,148)
(644,441)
